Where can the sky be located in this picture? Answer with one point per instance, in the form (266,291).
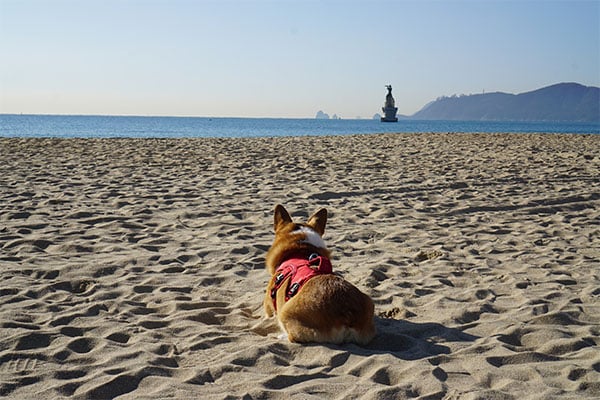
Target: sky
(284,59)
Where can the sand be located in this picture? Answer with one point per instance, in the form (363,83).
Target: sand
(133,268)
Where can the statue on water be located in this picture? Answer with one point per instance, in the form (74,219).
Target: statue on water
(389,108)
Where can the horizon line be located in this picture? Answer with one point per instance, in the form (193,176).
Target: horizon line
(174,116)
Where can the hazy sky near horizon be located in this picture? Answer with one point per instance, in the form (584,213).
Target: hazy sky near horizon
(285,58)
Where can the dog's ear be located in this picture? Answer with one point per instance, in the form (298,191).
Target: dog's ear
(282,217)
(318,221)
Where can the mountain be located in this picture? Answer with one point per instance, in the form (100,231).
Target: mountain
(560,102)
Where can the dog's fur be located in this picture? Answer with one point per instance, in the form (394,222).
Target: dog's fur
(327,308)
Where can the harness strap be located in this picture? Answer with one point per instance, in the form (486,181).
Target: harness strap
(300,271)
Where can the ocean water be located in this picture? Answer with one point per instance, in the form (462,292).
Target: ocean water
(189,127)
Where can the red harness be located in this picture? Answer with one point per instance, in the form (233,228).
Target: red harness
(300,270)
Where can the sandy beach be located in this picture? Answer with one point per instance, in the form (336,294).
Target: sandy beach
(134,268)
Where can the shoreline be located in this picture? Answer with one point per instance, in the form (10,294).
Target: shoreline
(135,267)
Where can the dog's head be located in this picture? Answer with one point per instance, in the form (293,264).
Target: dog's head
(296,238)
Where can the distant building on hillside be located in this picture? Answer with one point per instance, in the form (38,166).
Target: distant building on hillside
(389,108)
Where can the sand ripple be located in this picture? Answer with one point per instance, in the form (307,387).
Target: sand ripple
(134,268)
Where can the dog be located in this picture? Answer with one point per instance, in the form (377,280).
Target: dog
(310,302)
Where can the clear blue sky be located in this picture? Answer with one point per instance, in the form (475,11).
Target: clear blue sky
(284,58)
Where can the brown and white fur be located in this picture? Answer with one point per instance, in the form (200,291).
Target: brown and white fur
(327,309)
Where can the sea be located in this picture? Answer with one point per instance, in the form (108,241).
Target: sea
(88,126)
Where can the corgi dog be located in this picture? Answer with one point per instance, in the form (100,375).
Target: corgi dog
(310,302)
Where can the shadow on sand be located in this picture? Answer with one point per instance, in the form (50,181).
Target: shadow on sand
(408,340)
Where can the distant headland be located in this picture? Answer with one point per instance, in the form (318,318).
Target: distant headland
(569,102)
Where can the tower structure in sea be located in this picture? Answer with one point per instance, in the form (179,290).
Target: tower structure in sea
(389,108)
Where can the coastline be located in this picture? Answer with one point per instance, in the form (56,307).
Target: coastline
(134,267)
